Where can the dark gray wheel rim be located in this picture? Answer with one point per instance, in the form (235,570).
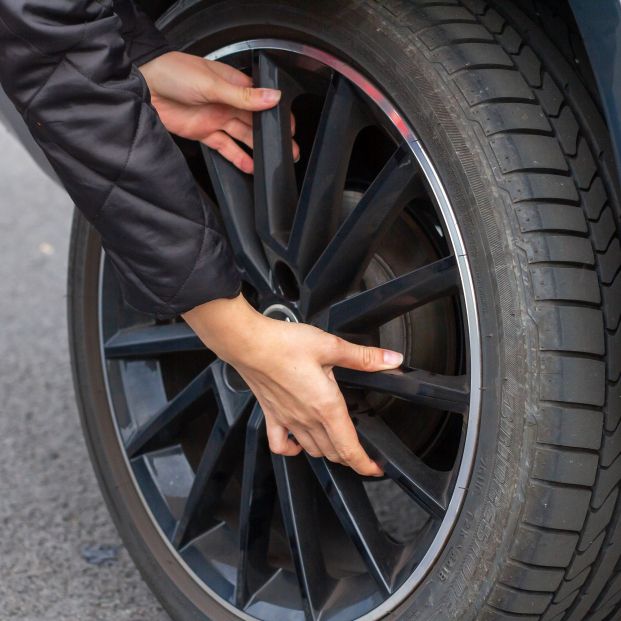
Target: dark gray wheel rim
(300,538)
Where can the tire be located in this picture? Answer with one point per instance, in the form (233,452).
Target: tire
(524,155)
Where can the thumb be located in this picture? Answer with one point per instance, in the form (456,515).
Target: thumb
(364,358)
(246,97)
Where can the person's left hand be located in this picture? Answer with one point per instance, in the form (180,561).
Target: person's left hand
(210,102)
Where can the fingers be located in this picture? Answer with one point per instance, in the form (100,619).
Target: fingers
(231,151)
(245,97)
(307,442)
(324,444)
(240,131)
(279,440)
(230,74)
(342,353)
(342,433)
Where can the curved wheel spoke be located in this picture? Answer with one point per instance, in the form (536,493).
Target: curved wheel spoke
(321,198)
(275,186)
(148,341)
(347,255)
(403,294)
(347,495)
(256,511)
(217,463)
(423,484)
(444,392)
(233,190)
(294,480)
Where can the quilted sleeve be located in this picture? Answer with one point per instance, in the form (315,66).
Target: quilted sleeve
(65,68)
(144,40)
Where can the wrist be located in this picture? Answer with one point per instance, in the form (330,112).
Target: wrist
(151,70)
(231,328)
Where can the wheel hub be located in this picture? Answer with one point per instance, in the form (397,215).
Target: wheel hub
(281,312)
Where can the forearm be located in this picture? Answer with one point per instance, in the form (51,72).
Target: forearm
(65,68)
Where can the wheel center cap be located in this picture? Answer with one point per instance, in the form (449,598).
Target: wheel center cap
(281,312)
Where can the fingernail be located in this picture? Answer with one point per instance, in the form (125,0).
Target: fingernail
(392,358)
(297,159)
(269,95)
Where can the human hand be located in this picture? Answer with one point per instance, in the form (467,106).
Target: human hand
(288,367)
(210,102)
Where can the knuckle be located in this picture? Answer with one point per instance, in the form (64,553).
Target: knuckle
(367,357)
(334,345)
(287,422)
(208,86)
(348,454)
(247,93)
(323,415)
(277,449)
(216,141)
(229,126)
(326,410)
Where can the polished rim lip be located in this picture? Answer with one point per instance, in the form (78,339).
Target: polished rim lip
(469,300)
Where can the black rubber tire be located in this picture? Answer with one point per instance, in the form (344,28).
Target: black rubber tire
(525,157)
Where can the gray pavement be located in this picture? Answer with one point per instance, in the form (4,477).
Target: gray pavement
(50,505)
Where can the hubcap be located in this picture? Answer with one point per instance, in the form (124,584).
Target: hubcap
(358,238)
(281,312)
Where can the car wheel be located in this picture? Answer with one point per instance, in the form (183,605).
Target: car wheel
(454,201)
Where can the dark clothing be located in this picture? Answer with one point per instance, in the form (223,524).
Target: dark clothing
(69,66)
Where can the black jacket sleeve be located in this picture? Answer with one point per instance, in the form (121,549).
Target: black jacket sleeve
(66,69)
(144,41)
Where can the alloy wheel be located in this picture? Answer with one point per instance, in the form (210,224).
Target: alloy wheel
(358,238)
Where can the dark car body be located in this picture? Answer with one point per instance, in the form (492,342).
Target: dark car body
(599,23)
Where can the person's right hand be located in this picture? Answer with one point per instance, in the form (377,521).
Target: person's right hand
(288,367)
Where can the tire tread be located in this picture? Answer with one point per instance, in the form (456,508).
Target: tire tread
(545,132)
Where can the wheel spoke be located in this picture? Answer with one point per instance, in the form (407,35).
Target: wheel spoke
(426,486)
(233,190)
(294,480)
(256,511)
(275,186)
(217,462)
(346,257)
(151,341)
(166,420)
(349,499)
(377,306)
(321,198)
(444,392)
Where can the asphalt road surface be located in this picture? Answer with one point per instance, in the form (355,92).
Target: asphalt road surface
(52,516)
